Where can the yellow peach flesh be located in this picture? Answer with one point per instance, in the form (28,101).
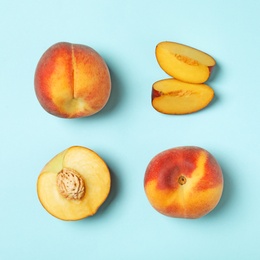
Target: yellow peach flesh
(93,171)
(176,97)
(183,62)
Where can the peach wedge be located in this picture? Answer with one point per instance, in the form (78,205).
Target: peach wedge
(171,96)
(183,62)
(74,184)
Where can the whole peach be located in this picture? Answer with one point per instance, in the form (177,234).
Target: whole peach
(72,80)
(184,182)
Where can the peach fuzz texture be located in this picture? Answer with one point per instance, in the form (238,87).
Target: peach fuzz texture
(72,80)
(198,196)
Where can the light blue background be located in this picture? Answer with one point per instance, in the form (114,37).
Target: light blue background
(128,132)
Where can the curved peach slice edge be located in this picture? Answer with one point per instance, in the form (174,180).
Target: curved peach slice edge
(171,96)
(184,62)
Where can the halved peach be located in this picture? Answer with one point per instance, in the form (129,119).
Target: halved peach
(74,184)
(171,96)
(184,62)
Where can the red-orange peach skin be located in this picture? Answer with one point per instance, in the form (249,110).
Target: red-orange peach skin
(184,182)
(72,80)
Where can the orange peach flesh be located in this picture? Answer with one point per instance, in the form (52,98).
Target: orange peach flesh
(171,96)
(184,182)
(94,173)
(183,62)
(72,80)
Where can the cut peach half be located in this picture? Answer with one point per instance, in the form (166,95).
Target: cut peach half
(183,62)
(171,96)
(74,184)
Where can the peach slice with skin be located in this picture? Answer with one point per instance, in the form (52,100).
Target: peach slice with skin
(171,96)
(184,62)
(74,184)
(184,182)
(72,80)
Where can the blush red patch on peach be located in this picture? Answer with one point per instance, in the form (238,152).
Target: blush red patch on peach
(172,208)
(155,93)
(47,66)
(167,177)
